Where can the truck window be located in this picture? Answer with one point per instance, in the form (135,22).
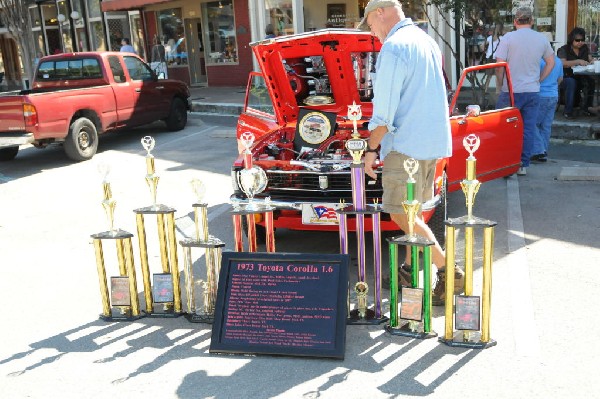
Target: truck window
(137,69)
(116,69)
(85,68)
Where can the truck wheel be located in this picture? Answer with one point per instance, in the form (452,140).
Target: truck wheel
(436,223)
(177,118)
(8,153)
(82,141)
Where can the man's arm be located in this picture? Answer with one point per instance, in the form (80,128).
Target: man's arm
(548,67)
(499,76)
(374,141)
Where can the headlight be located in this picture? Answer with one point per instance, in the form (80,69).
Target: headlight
(234,182)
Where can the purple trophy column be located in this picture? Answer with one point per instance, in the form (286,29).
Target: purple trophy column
(358,198)
(377,262)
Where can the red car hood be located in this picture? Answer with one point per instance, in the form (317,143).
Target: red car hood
(283,61)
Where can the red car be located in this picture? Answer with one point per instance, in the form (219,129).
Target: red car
(297,109)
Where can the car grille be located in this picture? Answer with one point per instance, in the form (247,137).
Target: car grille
(306,184)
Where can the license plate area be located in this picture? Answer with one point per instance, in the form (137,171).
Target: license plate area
(320,214)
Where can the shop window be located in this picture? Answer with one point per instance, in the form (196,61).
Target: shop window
(35,18)
(93,7)
(50,14)
(219,30)
(279,14)
(173,36)
(588,15)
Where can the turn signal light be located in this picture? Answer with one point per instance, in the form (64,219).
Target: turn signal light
(30,115)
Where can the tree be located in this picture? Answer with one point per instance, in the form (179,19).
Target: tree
(15,16)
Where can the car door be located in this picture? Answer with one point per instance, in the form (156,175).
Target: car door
(150,102)
(500,131)
(123,94)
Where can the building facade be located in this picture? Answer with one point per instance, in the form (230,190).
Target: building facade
(207,41)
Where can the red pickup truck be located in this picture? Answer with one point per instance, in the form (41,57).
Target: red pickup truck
(76,97)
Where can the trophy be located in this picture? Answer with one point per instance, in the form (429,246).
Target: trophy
(356,147)
(123,292)
(413,317)
(468,309)
(165,286)
(151,176)
(252,180)
(213,248)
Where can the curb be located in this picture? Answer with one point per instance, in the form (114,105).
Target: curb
(229,109)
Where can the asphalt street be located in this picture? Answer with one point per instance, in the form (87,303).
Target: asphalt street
(52,343)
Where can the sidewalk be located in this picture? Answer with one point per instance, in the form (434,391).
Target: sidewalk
(230,101)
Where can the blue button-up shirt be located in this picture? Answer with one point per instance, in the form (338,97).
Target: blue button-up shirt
(410,95)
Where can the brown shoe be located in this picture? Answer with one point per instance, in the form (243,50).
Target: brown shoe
(438,296)
(405,275)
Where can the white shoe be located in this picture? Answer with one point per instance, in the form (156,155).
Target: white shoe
(522,171)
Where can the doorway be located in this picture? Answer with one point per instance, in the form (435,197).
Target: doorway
(197,65)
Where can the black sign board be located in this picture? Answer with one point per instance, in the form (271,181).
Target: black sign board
(467,312)
(281,304)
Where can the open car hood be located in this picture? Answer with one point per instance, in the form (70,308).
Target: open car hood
(324,70)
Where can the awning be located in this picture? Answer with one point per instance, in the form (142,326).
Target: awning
(121,5)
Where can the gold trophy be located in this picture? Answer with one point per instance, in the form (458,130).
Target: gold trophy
(165,288)
(123,293)
(463,311)
(213,249)
(152,178)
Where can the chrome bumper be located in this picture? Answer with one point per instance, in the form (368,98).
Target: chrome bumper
(297,205)
(15,139)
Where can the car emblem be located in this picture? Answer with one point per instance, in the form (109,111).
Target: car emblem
(323,182)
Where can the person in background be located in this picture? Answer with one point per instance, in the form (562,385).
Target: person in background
(269,32)
(576,53)
(548,101)
(491,46)
(523,49)
(409,74)
(126,46)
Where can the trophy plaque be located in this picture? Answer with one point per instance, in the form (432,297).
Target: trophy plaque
(166,241)
(252,180)
(362,312)
(201,308)
(411,326)
(469,337)
(123,293)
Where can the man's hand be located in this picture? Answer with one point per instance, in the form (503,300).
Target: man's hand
(370,158)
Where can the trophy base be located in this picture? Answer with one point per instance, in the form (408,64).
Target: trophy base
(118,315)
(473,221)
(369,319)
(458,342)
(200,318)
(163,314)
(405,331)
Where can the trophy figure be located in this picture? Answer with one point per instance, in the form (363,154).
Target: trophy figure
(413,318)
(164,288)
(252,180)
(212,255)
(467,308)
(123,292)
(356,146)
(152,178)
(108,203)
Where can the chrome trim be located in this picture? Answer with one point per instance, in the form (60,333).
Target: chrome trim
(513,119)
(14,139)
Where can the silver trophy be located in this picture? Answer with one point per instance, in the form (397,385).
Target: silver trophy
(252,181)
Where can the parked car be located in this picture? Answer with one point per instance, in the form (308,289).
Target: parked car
(297,109)
(76,97)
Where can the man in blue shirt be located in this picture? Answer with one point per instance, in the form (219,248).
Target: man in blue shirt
(410,120)
(126,47)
